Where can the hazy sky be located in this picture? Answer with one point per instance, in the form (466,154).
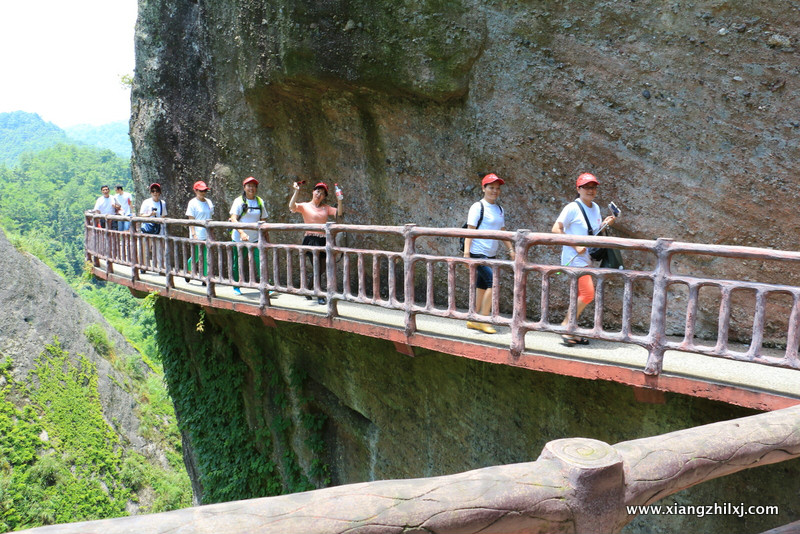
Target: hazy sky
(63,59)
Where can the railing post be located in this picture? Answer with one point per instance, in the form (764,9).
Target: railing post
(594,477)
(210,289)
(409,249)
(263,269)
(169,260)
(658,316)
(134,251)
(520,293)
(330,269)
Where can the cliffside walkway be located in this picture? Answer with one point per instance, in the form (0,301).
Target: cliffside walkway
(417,297)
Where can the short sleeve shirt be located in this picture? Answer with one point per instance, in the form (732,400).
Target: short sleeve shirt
(202,211)
(105,205)
(252,215)
(124,200)
(575,224)
(493,219)
(315,215)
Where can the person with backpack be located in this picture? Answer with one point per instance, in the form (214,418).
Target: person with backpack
(316,211)
(202,209)
(248,208)
(581,217)
(153,207)
(486,214)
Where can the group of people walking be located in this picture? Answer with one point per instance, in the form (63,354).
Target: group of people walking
(580,217)
(247,208)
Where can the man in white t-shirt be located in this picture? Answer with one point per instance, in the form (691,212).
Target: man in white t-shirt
(248,208)
(571,221)
(106,205)
(125,202)
(202,209)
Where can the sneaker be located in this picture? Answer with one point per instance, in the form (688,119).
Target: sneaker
(237,290)
(322,300)
(308,298)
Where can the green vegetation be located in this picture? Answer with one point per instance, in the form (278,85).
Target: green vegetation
(113,136)
(215,378)
(43,198)
(22,132)
(60,461)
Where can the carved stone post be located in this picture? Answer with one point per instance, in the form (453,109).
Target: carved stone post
(595,479)
(658,316)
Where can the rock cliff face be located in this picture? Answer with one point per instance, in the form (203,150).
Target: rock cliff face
(269,410)
(686,111)
(676,107)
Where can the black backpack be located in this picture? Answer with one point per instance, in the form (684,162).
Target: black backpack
(246,206)
(480,220)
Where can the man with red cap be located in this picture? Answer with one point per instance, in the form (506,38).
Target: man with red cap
(486,214)
(248,208)
(573,221)
(316,212)
(202,209)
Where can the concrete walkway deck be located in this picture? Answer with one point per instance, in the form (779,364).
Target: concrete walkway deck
(746,384)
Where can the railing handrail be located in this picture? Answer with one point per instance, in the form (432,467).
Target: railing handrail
(577,485)
(655,341)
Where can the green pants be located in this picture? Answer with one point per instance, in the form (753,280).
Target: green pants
(196,254)
(245,254)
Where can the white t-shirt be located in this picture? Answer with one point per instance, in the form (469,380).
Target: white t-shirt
(575,224)
(124,200)
(253,214)
(493,219)
(202,211)
(149,204)
(161,210)
(105,205)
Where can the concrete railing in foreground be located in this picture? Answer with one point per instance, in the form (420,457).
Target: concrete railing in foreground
(391,279)
(577,485)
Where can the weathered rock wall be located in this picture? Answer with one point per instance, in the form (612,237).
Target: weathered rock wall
(686,111)
(272,409)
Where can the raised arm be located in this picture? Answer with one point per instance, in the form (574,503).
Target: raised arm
(292,201)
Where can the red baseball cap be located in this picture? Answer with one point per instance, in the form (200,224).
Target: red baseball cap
(250,180)
(155,185)
(200,185)
(586,178)
(490,179)
(323,186)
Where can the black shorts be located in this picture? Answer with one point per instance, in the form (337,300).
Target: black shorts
(485,279)
(315,241)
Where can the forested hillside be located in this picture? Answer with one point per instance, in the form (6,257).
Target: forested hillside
(113,136)
(22,132)
(88,430)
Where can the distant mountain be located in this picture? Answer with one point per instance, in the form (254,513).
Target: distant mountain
(26,132)
(113,136)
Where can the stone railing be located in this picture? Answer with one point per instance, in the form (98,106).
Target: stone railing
(577,485)
(412,279)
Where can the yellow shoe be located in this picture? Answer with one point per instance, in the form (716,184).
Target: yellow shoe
(483,327)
